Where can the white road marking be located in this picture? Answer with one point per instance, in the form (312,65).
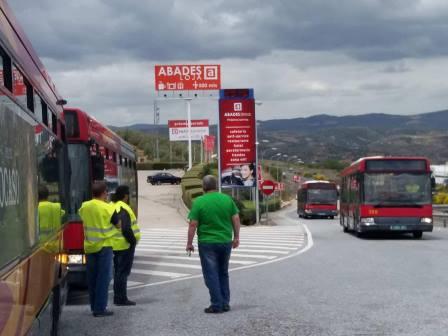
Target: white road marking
(182,245)
(232,261)
(158,273)
(158,263)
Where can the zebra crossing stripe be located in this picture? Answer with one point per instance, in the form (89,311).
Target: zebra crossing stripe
(159,273)
(259,256)
(243,245)
(238,262)
(158,263)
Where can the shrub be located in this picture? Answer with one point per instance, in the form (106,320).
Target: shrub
(191,183)
(189,196)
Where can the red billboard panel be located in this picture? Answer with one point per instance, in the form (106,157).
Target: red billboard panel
(237,142)
(209,143)
(187,77)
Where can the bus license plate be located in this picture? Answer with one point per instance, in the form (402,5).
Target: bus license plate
(398,227)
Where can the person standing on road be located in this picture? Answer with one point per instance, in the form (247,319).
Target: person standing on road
(124,246)
(101,224)
(215,217)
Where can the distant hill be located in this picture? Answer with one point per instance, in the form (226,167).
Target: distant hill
(322,137)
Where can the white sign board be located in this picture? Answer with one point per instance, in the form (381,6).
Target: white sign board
(179,130)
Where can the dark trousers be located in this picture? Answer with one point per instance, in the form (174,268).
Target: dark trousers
(99,270)
(122,269)
(215,269)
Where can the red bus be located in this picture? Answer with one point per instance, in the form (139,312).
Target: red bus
(391,194)
(33,188)
(317,199)
(96,153)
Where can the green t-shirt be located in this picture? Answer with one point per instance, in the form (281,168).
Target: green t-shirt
(214,211)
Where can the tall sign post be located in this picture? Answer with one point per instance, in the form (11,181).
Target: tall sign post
(237,140)
(187,77)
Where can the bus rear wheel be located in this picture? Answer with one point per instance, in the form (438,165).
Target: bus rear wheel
(417,234)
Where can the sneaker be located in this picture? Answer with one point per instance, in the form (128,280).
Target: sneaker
(103,313)
(127,302)
(225,308)
(212,310)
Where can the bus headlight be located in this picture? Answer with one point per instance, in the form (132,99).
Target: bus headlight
(426,220)
(75,259)
(308,211)
(368,221)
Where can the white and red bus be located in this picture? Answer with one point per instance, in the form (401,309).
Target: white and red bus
(34,184)
(391,194)
(96,153)
(317,199)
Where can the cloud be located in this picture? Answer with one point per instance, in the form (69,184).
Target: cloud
(302,57)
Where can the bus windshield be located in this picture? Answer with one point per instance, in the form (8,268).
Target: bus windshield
(397,189)
(80,180)
(322,196)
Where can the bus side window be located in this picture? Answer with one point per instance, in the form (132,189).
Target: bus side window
(54,123)
(19,89)
(5,65)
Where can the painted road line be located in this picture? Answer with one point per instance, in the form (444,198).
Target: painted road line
(182,250)
(243,245)
(233,254)
(242,238)
(240,262)
(157,263)
(158,273)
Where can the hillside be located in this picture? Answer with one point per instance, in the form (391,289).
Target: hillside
(322,137)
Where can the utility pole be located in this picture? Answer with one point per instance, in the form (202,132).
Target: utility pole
(156,126)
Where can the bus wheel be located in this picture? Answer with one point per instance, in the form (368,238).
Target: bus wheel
(55,310)
(417,234)
(331,217)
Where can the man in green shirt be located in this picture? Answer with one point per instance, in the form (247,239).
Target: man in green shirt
(215,217)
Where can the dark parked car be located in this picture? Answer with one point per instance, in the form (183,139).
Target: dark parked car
(161,178)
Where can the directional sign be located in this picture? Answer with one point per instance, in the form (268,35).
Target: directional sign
(179,129)
(268,187)
(187,77)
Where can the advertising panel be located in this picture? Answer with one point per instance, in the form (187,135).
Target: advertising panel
(237,139)
(187,77)
(209,143)
(18,181)
(178,130)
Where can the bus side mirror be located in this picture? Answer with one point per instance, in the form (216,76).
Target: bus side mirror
(49,168)
(97,168)
(433,183)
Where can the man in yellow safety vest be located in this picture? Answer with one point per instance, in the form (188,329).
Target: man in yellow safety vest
(124,245)
(50,216)
(101,224)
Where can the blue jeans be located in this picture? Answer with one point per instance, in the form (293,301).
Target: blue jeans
(122,269)
(215,269)
(99,270)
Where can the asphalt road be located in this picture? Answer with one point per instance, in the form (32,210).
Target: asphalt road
(342,285)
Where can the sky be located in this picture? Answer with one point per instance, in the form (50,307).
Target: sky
(302,57)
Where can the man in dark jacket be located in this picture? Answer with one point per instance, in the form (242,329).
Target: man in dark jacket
(124,246)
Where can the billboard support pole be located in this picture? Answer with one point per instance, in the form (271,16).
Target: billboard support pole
(190,161)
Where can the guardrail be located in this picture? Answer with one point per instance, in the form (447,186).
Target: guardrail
(440,219)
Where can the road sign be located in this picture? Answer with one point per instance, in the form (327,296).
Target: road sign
(268,187)
(280,186)
(179,129)
(187,77)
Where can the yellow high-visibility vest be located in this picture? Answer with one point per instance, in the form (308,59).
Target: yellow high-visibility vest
(50,221)
(98,230)
(120,243)
(50,218)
